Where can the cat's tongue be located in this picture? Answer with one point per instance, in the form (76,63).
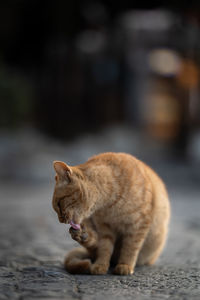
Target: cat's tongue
(75,226)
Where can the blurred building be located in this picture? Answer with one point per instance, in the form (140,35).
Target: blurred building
(66,68)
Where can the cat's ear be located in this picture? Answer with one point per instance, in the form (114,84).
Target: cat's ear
(62,169)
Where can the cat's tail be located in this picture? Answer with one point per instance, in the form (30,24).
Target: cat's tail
(78,261)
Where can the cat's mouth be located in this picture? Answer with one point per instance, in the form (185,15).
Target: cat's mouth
(74,225)
(70,218)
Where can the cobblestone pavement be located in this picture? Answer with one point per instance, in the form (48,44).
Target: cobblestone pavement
(33,245)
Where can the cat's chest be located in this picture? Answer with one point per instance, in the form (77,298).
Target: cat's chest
(117,218)
(106,219)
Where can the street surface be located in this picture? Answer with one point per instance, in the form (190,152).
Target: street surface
(33,244)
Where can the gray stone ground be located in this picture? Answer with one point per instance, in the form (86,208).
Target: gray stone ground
(33,244)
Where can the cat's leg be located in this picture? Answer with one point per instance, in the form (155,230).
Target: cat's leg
(130,248)
(153,245)
(103,254)
(151,251)
(78,261)
(156,238)
(99,247)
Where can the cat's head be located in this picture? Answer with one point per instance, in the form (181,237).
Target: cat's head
(69,200)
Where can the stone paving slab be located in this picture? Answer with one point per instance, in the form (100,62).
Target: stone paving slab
(33,244)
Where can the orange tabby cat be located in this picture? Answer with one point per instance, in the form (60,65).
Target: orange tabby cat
(118,209)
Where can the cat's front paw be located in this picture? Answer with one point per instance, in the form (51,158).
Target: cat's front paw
(99,269)
(78,235)
(123,269)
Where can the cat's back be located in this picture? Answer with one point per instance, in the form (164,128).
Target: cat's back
(126,170)
(122,177)
(115,159)
(110,169)
(121,167)
(123,164)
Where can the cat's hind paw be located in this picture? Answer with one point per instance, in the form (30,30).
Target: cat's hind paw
(99,269)
(123,269)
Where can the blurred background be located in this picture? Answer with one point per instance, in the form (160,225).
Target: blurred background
(83,77)
(78,78)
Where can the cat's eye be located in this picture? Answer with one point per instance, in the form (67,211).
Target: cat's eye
(56,178)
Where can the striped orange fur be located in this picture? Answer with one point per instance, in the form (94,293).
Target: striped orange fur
(123,209)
